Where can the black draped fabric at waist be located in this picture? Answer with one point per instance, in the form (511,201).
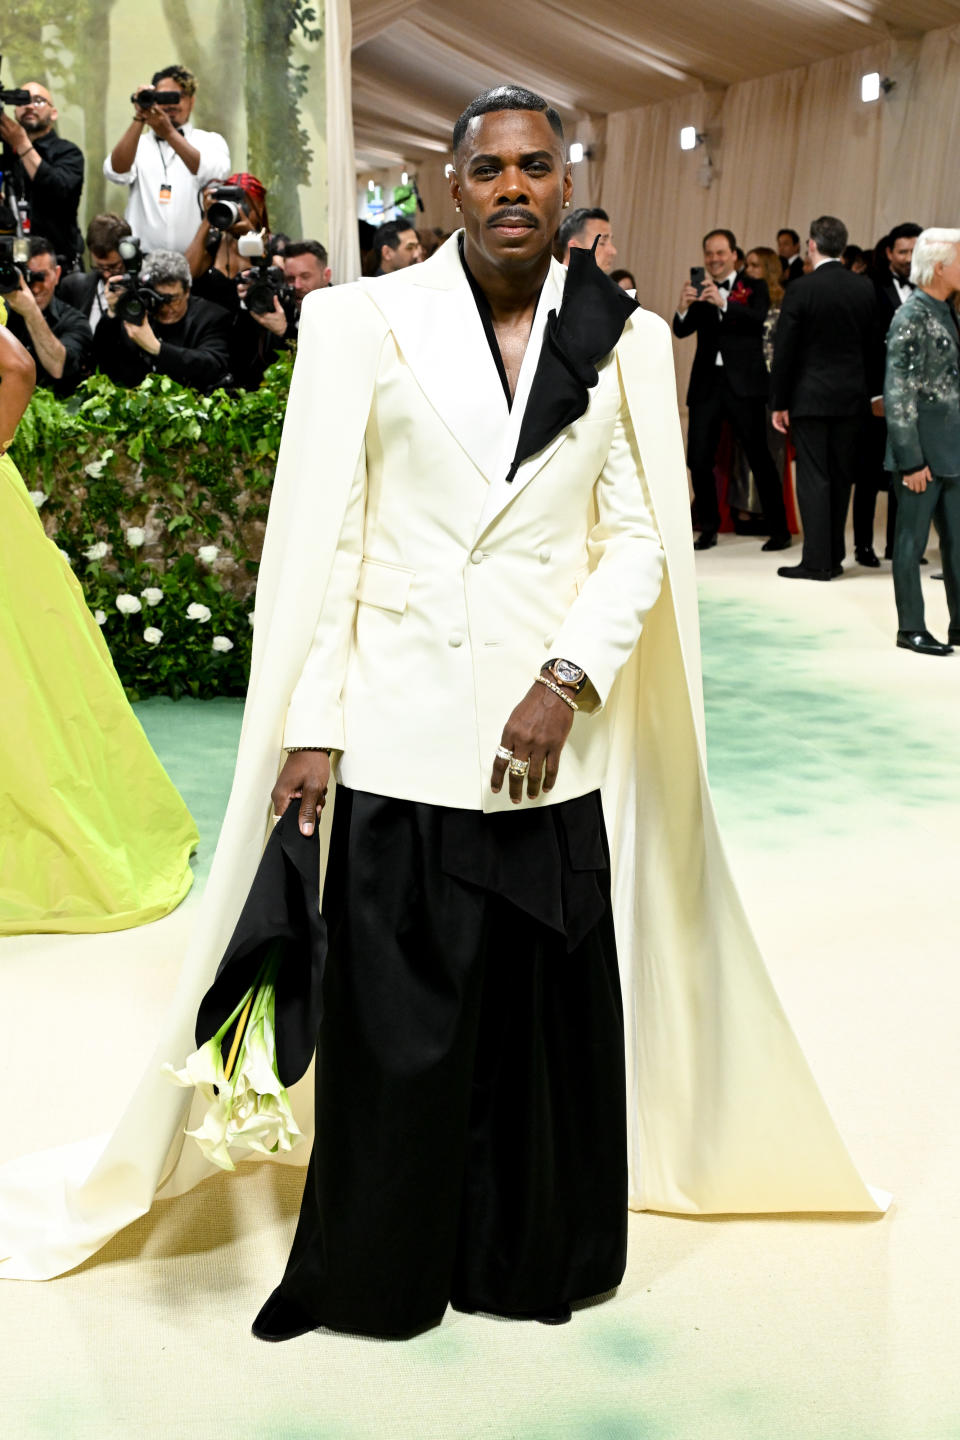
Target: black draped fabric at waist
(550,862)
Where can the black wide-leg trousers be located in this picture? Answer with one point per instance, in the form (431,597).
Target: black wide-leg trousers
(470,1097)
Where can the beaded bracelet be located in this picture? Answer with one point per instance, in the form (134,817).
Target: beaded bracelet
(542,680)
(297,749)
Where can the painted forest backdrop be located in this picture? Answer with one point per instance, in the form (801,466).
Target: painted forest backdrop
(260,82)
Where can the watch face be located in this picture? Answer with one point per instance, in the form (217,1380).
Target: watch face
(569,674)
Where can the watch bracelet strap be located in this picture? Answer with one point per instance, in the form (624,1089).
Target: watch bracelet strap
(542,680)
(297,749)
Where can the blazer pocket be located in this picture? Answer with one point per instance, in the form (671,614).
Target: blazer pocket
(383,585)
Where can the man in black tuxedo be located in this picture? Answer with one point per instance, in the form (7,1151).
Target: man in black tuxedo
(820,390)
(728,382)
(788,248)
(893,286)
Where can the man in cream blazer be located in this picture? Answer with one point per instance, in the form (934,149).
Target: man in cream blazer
(482,475)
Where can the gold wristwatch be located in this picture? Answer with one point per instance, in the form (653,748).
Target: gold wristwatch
(564,672)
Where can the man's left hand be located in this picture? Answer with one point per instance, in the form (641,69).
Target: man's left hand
(143,336)
(22,300)
(158,118)
(711,294)
(13,134)
(536,731)
(781,420)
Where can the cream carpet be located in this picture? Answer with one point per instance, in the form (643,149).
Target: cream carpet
(834,762)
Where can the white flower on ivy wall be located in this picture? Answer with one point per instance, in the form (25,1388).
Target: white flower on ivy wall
(208,553)
(38,497)
(97,551)
(100,616)
(152,635)
(221,643)
(197,612)
(128,604)
(66,556)
(96,467)
(136,536)
(152,595)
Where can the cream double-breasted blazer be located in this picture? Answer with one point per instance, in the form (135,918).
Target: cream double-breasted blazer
(450,587)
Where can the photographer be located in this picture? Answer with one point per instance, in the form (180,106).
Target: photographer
(55,334)
(230,208)
(165,161)
(87,290)
(180,336)
(45,172)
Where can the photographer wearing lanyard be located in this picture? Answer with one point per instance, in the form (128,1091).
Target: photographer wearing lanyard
(165,161)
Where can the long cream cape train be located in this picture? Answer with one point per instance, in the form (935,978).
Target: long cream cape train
(725,1116)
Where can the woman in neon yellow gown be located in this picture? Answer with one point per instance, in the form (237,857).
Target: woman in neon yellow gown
(93,834)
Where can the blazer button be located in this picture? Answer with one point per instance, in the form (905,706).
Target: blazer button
(544,554)
(455,641)
(476,557)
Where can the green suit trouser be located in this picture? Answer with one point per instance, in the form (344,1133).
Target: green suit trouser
(940,502)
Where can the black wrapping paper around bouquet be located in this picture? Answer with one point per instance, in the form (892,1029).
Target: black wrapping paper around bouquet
(280,922)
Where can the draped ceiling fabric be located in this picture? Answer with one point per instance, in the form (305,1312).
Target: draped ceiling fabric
(774,85)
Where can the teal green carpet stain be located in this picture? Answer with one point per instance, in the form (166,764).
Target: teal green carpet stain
(787,741)
(196,741)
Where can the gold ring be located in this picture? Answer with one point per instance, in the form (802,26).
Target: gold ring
(519,767)
(503,753)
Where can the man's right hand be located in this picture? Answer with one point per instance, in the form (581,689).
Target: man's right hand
(877,407)
(275,321)
(918,480)
(304,777)
(688,296)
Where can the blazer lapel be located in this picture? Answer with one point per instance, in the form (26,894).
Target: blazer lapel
(434,319)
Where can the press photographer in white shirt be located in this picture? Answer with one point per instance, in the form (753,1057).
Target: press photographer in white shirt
(166,162)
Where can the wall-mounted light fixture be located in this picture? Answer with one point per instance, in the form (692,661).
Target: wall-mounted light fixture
(448,170)
(689,138)
(576,153)
(370,186)
(404,178)
(874,85)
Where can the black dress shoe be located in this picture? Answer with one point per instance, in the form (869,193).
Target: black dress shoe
(778,542)
(922,642)
(800,572)
(706,540)
(867,556)
(282,1319)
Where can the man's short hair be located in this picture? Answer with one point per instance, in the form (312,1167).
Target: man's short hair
(307,247)
(40,246)
(505,97)
(908,231)
(574,224)
(389,235)
(830,236)
(185,78)
(794,237)
(166,267)
(728,235)
(105,232)
(932,246)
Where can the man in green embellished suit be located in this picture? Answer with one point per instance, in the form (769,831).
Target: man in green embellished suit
(922,402)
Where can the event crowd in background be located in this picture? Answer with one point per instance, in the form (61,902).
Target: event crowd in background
(853,372)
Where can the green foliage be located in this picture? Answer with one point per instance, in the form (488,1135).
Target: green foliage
(188,471)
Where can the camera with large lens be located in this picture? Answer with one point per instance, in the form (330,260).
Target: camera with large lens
(265,281)
(136,300)
(227,204)
(146,97)
(13,262)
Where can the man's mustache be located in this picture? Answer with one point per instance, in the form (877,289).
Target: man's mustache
(514,212)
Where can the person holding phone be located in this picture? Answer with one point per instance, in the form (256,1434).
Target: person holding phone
(726,311)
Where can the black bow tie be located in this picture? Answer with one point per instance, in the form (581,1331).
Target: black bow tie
(725,284)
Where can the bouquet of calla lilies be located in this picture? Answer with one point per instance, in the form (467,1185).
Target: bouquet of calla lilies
(248,1106)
